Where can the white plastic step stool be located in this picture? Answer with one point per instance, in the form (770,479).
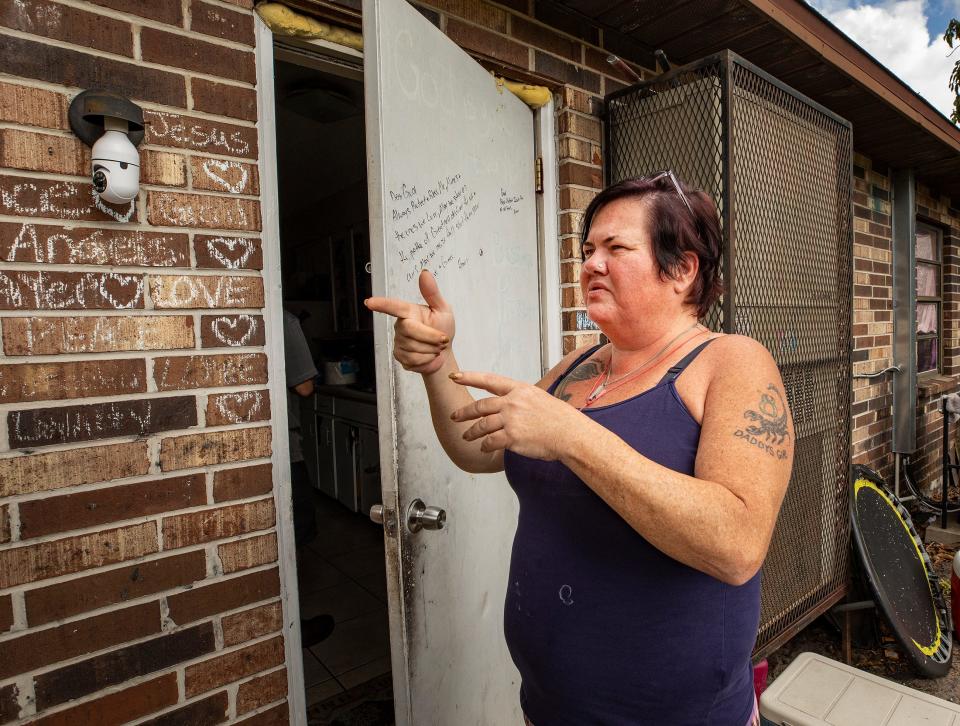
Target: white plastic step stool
(816,691)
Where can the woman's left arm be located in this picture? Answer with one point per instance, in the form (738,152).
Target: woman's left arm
(718,521)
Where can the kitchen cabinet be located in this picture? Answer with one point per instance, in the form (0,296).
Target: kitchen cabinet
(347,447)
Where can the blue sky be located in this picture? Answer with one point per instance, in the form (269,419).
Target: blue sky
(906,36)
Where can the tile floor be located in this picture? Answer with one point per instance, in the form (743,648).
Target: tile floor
(341,572)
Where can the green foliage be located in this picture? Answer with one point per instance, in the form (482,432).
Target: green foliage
(952,35)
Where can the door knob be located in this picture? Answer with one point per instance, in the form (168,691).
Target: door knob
(420,516)
(384,516)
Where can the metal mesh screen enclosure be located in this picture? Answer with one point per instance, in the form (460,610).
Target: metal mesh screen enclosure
(779,167)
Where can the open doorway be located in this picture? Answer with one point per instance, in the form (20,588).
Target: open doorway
(325,255)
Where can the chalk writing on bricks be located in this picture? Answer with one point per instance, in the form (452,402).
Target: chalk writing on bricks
(426,219)
(196,135)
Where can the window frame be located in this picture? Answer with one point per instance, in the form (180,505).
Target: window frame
(937,233)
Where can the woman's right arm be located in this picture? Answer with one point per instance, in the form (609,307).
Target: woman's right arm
(423,344)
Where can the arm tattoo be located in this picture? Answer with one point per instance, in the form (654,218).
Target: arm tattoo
(583,372)
(769,428)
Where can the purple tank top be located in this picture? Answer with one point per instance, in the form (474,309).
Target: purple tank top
(605,628)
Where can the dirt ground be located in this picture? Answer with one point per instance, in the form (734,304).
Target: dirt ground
(874,648)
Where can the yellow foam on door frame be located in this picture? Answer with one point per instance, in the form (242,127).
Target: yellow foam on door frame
(533,96)
(284,21)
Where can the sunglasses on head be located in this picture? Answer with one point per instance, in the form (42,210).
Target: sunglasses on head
(668,174)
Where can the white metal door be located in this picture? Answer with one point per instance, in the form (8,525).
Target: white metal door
(451,185)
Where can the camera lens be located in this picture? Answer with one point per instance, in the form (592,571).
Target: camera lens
(99,181)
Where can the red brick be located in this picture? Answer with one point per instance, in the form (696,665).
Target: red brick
(546,38)
(31,106)
(221,23)
(566,72)
(120,707)
(215,447)
(43,647)
(71,25)
(207,291)
(35,562)
(88,246)
(9,707)
(224,100)
(577,100)
(259,692)
(6,613)
(241,483)
(28,290)
(4,523)
(81,594)
(66,67)
(102,671)
(114,504)
(209,371)
(165,12)
(186,132)
(240,407)
(487,44)
(231,330)
(253,623)
(33,197)
(50,336)
(476,11)
(572,198)
(209,211)
(43,152)
(247,553)
(276,716)
(232,666)
(163,167)
(224,175)
(191,53)
(208,711)
(73,424)
(73,379)
(86,465)
(225,594)
(579,125)
(231,253)
(181,530)
(582,175)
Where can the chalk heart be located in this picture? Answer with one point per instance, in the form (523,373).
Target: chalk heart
(121,291)
(242,407)
(231,175)
(234,331)
(231,252)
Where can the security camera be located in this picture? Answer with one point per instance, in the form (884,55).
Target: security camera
(116,163)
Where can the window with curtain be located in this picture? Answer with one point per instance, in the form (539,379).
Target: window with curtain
(928,246)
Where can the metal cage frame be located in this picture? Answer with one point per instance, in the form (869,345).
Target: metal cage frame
(732,124)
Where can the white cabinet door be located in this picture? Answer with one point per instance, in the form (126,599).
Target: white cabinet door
(451,187)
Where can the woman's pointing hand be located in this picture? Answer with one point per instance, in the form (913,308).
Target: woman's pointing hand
(520,417)
(423,332)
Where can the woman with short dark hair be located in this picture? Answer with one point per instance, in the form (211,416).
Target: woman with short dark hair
(649,469)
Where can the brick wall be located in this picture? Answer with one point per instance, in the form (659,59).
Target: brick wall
(873,324)
(138,551)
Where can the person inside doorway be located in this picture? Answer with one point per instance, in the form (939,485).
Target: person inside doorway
(650,471)
(300,374)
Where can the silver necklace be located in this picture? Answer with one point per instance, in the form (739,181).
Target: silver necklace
(606,382)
